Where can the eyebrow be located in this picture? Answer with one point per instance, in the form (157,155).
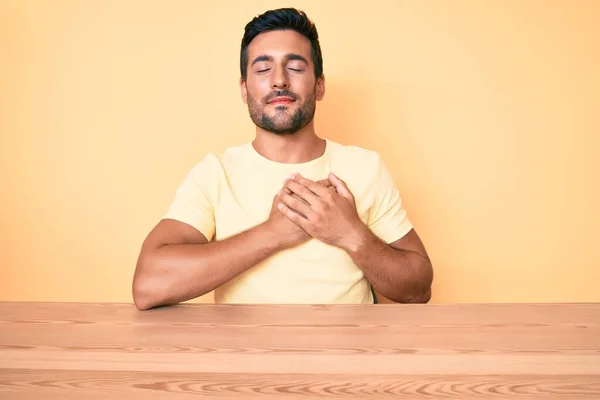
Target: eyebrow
(288,57)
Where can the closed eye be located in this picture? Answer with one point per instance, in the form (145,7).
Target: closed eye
(295,69)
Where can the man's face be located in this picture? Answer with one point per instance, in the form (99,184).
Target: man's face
(281,89)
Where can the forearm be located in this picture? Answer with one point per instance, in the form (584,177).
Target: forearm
(180,272)
(400,275)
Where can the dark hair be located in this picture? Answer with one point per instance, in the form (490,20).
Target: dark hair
(282,19)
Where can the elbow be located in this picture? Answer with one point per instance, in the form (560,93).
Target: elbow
(419,290)
(144,289)
(423,293)
(142,294)
(423,297)
(420,296)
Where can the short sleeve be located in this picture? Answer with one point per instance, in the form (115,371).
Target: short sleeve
(193,203)
(387,217)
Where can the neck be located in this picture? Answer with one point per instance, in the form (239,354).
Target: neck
(300,147)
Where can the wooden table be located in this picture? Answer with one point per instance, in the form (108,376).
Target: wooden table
(110,351)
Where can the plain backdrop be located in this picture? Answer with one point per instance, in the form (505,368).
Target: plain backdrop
(486,112)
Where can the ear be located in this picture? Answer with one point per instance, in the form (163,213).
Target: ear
(320,92)
(244,90)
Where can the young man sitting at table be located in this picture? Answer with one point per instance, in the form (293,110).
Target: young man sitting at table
(290,217)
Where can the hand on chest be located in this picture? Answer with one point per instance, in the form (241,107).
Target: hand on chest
(246,202)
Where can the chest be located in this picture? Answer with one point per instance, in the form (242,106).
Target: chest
(246,200)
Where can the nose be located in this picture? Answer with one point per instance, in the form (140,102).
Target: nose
(280,79)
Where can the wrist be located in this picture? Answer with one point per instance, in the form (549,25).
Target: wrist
(357,239)
(266,236)
(272,240)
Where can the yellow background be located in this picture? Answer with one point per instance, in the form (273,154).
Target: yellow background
(485,111)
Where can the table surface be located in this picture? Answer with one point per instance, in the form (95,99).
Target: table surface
(470,351)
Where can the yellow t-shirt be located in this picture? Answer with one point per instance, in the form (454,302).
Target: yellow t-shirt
(228,193)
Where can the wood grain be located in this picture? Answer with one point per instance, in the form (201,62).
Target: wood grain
(147,385)
(106,351)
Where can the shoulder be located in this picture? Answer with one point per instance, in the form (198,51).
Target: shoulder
(355,158)
(363,170)
(214,164)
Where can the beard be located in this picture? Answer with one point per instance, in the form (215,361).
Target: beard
(284,121)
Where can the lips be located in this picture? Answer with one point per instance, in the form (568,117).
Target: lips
(281,100)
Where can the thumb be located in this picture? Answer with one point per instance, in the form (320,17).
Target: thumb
(340,186)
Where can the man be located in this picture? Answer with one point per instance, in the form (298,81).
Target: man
(290,217)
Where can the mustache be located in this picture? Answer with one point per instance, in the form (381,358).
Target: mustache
(281,93)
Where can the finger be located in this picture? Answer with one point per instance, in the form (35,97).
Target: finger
(314,187)
(325,182)
(331,188)
(295,204)
(303,192)
(294,195)
(293,216)
(340,186)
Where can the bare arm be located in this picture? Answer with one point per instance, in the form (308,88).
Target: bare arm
(400,271)
(177,263)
